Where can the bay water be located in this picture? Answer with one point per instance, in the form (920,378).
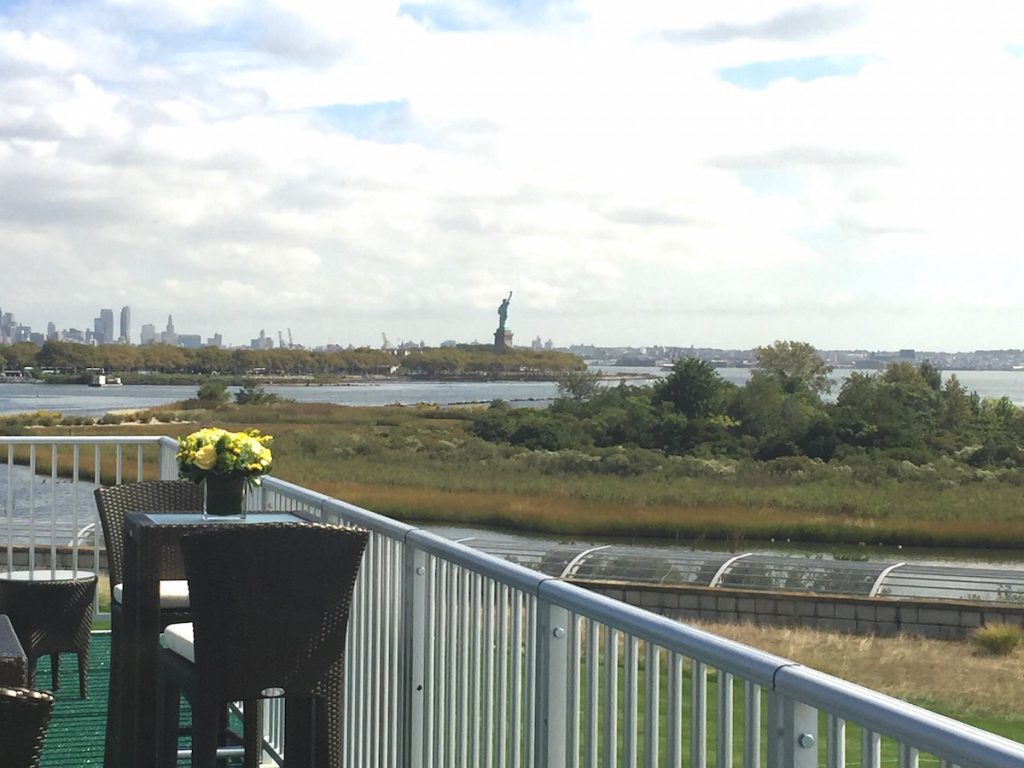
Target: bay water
(82,400)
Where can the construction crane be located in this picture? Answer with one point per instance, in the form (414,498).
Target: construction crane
(385,344)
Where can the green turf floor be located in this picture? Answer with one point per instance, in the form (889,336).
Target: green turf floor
(75,736)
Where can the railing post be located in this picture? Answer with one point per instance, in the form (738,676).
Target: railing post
(415,588)
(552,709)
(168,465)
(792,733)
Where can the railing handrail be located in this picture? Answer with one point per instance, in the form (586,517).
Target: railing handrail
(82,440)
(926,730)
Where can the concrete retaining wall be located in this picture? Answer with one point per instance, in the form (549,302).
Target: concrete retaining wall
(945,619)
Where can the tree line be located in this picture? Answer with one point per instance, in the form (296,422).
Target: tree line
(903,412)
(466,360)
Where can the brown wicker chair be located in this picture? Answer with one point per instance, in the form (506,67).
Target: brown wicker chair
(52,617)
(270,607)
(24,717)
(113,503)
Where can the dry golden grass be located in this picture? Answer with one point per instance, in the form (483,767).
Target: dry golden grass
(947,674)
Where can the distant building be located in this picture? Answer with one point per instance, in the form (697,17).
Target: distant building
(105,327)
(215,341)
(51,331)
(148,333)
(190,340)
(263,342)
(169,336)
(126,326)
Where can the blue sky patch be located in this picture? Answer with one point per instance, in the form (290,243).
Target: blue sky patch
(760,74)
(439,16)
(773,182)
(384,121)
(1016,49)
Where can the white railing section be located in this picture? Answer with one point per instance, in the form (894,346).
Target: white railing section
(457,658)
(48,518)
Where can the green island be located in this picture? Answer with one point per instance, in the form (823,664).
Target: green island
(63,362)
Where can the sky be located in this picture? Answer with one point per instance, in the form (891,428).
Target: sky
(721,174)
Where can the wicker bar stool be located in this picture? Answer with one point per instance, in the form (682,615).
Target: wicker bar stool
(270,607)
(51,612)
(113,503)
(24,717)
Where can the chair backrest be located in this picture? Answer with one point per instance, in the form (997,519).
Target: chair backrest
(24,717)
(270,605)
(115,501)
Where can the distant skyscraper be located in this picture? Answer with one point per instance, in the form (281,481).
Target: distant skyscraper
(105,327)
(126,326)
(51,331)
(148,333)
(169,336)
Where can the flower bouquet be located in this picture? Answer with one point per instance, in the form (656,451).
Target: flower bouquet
(224,462)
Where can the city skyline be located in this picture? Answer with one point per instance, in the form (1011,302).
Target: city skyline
(651,353)
(725,174)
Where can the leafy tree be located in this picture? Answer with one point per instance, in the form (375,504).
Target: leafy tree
(958,408)
(694,388)
(782,423)
(20,355)
(895,409)
(796,365)
(579,385)
(931,375)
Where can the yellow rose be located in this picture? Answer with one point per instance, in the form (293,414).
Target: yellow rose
(206,457)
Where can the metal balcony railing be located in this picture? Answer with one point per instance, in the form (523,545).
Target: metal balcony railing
(458,658)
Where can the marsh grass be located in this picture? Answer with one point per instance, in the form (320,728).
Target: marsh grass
(938,674)
(421,464)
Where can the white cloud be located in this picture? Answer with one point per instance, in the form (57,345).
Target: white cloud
(175,155)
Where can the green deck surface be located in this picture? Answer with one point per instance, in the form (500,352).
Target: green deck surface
(75,736)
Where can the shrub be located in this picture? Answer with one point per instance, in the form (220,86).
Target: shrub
(213,391)
(254,394)
(71,420)
(996,639)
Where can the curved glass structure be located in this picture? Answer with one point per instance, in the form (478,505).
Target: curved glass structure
(759,571)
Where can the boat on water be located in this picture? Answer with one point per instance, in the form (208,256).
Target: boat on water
(102,380)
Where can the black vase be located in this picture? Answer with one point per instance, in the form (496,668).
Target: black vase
(224,495)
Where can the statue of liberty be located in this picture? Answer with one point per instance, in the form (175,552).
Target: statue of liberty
(502,337)
(503,312)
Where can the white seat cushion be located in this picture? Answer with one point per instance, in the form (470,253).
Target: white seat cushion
(173,593)
(179,638)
